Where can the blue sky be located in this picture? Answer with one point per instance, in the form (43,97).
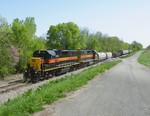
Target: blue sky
(127,19)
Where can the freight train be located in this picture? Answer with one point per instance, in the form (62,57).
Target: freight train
(48,63)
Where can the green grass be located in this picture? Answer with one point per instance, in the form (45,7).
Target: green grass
(145,58)
(33,100)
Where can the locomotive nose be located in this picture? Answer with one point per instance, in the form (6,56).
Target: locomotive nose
(36,63)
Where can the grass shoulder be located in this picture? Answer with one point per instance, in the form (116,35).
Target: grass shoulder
(33,100)
(145,58)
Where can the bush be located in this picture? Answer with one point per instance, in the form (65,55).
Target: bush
(145,58)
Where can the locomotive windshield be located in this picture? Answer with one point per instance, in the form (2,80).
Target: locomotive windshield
(39,54)
(45,54)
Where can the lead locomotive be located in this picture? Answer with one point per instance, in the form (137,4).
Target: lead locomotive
(47,63)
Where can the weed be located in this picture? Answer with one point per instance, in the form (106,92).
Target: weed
(145,58)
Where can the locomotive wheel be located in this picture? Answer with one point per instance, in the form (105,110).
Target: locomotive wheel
(72,68)
(58,72)
(33,80)
(52,73)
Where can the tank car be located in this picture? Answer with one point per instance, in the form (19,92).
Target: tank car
(109,55)
(102,55)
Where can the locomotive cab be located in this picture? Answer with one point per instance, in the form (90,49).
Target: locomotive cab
(38,63)
(40,57)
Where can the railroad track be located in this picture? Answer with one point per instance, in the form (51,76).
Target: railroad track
(11,86)
(14,85)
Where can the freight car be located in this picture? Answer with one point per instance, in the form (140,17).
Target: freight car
(120,53)
(102,56)
(109,55)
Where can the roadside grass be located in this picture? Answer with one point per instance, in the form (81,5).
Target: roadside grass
(33,100)
(145,58)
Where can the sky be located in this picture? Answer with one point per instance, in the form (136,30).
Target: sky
(127,19)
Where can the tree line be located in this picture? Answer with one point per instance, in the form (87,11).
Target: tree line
(18,41)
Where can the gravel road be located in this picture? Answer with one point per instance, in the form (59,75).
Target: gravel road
(124,90)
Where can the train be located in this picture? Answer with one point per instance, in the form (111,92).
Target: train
(45,64)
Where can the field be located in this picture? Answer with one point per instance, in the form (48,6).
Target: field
(33,100)
(145,58)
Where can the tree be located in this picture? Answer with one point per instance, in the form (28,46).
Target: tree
(30,26)
(24,33)
(38,43)
(83,38)
(92,42)
(148,47)
(136,46)
(6,37)
(64,36)
(19,33)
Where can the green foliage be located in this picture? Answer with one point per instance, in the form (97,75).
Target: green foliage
(19,37)
(145,58)
(64,36)
(100,42)
(25,40)
(38,43)
(30,26)
(32,100)
(148,47)
(20,32)
(6,63)
(3,24)
(82,39)
(136,46)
